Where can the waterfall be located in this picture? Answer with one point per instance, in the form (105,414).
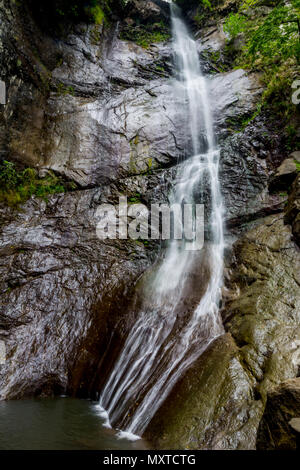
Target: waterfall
(179,316)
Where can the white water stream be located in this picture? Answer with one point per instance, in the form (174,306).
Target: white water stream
(168,336)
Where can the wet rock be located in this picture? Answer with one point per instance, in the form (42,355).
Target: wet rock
(246,160)
(93,114)
(279,428)
(62,292)
(284,175)
(211,38)
(292,215)
(263,318)
(103,112)
(211,407)
(219,402)
(234,95)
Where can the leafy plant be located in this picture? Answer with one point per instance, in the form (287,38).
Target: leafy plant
(272,47)
(235,24)
(18,186)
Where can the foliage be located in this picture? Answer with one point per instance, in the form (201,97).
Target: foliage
(277,36)
(18,186)
(272,46)
(97,14)
(235,24)
(136,199)
(64,90)
(206,4)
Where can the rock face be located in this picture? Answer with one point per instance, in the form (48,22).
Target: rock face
(212,407)
(293,209)
(284,175)
(61,291)
(219,402)
(105,114)
(279,424)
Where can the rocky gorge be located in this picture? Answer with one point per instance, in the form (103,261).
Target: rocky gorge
(98,111)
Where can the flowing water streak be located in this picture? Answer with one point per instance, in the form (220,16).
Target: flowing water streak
(156,353)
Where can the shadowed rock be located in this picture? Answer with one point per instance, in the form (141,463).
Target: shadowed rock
(279,428)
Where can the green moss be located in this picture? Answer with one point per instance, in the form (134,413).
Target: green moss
(272,47)
(136,199)
(144,36)
(97,14)
(150,165)
(18,186)
(62,89)
(239,123)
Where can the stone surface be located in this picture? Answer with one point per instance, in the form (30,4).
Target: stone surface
(219,402)
(247,158)
(279,426)
(103,112)
(285,175)
(263,314)
(292,215)
(109,111)
(295,156)
(212,406)
(62,293)
(295,424)
(211,38)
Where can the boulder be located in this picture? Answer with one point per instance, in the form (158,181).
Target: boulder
(147,11)
(211,407)
(284,175)
(219,401)
(279,428)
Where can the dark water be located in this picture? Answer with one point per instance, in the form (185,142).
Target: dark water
(57,424)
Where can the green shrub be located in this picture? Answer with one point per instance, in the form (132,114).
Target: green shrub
(18,186)
(97,14)
(235,24)
(272,47)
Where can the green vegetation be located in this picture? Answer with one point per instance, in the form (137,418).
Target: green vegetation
(205,6)
(64,90)
(272,47)
(144,36)
(235,24)
(18,186)
(136,199)
(97,14)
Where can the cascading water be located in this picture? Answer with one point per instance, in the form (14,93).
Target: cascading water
(174,325)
